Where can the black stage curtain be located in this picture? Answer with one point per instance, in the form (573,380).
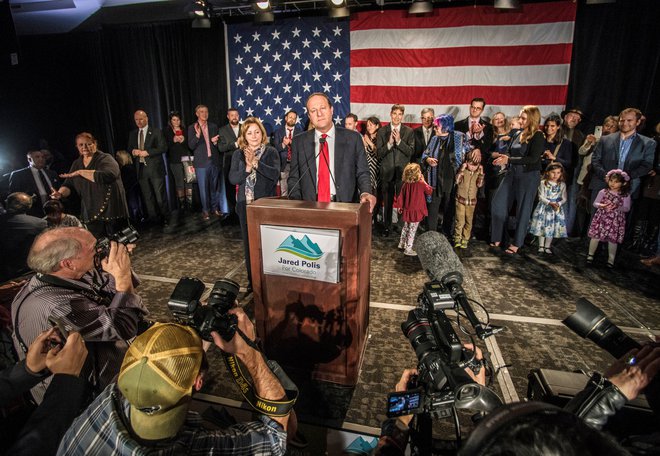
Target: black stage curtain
(616,60)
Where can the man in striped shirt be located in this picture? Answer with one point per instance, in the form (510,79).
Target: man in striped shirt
(101,306)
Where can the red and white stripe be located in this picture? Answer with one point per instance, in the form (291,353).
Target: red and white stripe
(444,60)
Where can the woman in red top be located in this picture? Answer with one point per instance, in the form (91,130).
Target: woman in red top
(412,204)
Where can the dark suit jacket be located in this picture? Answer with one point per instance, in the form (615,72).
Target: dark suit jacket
(276,142)
(17,231)
(486,140)
(420,143)
(22,180)
(606,157)
(351,171)
(198,146)
(155,145)
(268,173)
(396,157)
(227,141)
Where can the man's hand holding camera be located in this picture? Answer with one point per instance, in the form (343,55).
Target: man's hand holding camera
(58,359)
(634,371)
(118,265)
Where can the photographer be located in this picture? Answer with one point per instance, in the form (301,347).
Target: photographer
(102,306)
(62,402)
(147,410)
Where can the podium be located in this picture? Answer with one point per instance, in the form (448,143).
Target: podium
(313,327)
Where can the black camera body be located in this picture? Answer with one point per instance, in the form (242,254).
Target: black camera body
(128,235)
(185,306)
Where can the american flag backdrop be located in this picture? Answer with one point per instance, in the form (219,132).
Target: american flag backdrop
(442,61)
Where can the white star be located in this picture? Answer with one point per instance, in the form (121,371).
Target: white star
(317,76)
(278,121)
(237,38)
(277,78)
(306,65)
(287,89)
(336,99)
(258,101)
(326,43)
(248,69)
(316,31)
(296,54)
(247,48)
(276,57)
(337,76)
(249,112)
(337,120)
(266,46)
(277,99)
(296,32)
(327,65)
(287,66)
(256,36)
(327,87)
(267,90)
(337,31)
(337,54)
(267,68)
(306,43)
(240,102)
(305,109)
(275,34)
(257,58)
(286,44)
(296,98)
(239,81)
(306,87)
(268,111)
(239,60)
(248,91)
(287,109)
(296,77)
(257,80)
(316,54)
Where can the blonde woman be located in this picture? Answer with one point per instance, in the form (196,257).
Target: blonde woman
(521,182)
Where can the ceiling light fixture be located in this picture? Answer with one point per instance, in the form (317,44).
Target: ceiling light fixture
(507,4)
(420,8)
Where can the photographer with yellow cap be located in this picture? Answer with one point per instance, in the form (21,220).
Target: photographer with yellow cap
(147,410)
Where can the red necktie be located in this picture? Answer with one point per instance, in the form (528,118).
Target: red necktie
(288,152)
(324,172)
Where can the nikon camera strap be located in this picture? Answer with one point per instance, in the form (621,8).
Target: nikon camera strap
(265,406)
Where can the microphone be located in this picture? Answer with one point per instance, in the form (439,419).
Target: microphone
(441,263)
(327,163)
(290,191)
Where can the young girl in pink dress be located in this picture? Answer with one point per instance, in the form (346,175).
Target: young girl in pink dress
(412,204)
(609,222)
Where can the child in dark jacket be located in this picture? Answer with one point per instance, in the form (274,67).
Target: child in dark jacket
(412,204)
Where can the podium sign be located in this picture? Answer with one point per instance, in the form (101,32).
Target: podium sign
(307,253)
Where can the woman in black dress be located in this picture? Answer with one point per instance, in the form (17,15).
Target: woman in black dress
(177,150)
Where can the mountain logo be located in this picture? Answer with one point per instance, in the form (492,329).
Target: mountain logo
(302,248)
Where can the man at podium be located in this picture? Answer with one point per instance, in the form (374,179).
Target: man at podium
(329,162)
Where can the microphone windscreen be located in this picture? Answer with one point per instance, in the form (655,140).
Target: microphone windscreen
(436,255)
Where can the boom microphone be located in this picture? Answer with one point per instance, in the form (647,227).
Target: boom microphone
(441,263)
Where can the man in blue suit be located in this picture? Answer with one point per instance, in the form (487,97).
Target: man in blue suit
(627,150)
(346,161)
(203,141)
(282,140)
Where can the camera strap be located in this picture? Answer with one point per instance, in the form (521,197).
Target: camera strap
(265,406)
(97,295)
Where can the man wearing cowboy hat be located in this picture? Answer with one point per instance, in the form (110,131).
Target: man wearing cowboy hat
(572,118)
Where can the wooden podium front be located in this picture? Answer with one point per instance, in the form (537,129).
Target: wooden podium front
(317,329)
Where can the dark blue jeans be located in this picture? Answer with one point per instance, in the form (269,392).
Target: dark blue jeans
(518,186)
(212,190)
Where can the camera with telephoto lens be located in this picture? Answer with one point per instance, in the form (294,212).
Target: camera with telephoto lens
(128,235)
(591,323)
(185,305)
(441,383)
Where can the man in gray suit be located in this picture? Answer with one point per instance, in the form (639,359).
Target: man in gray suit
(395,144)
(627,150)
(329,154)
(147,145)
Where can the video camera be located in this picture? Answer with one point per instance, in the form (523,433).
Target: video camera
(187,309)
(442,383)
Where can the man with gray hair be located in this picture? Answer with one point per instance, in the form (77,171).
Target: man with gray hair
(99,304)
(423,134)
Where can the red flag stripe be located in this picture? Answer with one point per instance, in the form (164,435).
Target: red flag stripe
(461,95)
(531,13)
(486,56)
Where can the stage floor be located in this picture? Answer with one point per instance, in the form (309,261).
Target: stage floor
(529,294)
